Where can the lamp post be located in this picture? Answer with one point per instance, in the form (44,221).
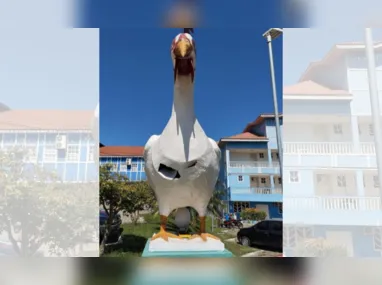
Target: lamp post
(374,102)
(270,35)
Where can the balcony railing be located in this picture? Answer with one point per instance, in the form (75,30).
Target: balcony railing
(253,164)
(332,203)
(327,148)
(257,190)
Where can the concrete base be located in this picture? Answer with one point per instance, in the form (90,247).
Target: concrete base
(185,254)
(195,244)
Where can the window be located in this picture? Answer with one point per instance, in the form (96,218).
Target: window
(337,129)
(376,181)
(240,178)
(123,167)
(73,153)
(320,178)
(261,155)
(114,167)
(143,167)
(50,154)
(341,181)
(294,177)
(134,167)
(263,180)
(371,130)
(91,153)
(263,226)
(240,206)
(276,226)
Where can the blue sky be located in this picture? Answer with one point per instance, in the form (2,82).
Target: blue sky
(232,81)
(302,46)
(232,85)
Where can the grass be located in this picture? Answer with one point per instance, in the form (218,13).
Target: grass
(135,238)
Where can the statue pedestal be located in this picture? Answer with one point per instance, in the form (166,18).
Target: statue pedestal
(154,250)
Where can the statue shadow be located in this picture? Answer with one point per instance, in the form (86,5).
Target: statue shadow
(133,243)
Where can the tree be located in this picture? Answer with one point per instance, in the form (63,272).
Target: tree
(119,195)
(141,197)
(112,197)
(216,204)
(37,211)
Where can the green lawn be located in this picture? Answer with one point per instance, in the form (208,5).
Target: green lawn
(135,237)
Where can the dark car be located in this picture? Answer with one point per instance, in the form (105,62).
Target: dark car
(115,235)
(268,233)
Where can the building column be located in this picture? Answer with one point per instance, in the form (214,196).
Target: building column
(227,165)
(269,152)
(355,132)
(356,145)
(359,183)
(272,180)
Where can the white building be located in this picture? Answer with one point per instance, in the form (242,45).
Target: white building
(331,188)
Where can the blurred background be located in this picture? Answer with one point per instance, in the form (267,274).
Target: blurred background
(40,14)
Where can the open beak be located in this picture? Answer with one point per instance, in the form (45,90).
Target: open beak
(182,56)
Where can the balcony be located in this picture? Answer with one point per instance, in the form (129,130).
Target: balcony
(333,210)
(254,167)
(330,148)
(260,194)
(330,154)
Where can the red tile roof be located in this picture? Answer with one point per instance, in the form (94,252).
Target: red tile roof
(245,136)
(121,151)
(334,53)
(311,88)
(258,121)
(46,120)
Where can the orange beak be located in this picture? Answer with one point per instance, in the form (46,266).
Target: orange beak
(183,48)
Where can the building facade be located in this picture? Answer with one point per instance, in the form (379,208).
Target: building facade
(331,180)
(250,168)
(58,141)
(126,160)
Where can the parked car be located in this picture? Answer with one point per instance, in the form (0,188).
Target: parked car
(267,233)
(115,235)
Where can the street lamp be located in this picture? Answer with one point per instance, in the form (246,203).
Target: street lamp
(270,35)
(374,102)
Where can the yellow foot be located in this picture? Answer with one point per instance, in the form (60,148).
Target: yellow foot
(164,235)
(204,236)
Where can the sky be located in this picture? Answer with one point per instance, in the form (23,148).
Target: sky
(232,81)
(47,65)
(302,46)
(43,63)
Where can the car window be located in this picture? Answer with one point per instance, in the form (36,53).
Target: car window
(264,225)
(276,226)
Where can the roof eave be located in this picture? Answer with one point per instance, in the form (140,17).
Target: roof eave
(337,97)
(331,52)
(244,140)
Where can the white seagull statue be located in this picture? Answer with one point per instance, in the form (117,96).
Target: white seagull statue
(182,164)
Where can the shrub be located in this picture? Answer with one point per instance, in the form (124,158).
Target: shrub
(253,214)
